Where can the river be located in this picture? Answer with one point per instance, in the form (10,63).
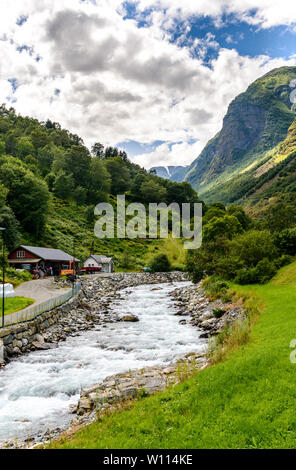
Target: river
(37,389)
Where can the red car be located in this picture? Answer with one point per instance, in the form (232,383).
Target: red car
(91,269)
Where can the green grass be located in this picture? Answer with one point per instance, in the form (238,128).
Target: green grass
(13,304)
(247,401)
(67,223)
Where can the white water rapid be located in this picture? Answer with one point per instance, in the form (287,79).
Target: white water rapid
(37,389)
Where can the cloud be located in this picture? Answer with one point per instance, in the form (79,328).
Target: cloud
(266,13)
(117,81)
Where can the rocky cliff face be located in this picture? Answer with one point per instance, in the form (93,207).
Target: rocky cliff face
(256,122)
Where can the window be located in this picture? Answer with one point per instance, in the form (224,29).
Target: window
(20,254)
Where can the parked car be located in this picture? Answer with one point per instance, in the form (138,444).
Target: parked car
(91,269)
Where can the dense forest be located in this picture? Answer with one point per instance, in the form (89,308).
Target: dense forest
(46,170)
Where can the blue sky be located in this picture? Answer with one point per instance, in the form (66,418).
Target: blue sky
(229,33)
(154,77)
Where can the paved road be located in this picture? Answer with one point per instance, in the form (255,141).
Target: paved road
(39,290)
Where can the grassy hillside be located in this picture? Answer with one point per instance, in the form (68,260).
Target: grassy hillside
(67,228)
(247,401)
(256,122)
(50,183)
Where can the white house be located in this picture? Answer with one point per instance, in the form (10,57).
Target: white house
(95,261)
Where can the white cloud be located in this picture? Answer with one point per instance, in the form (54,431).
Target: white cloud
(266,13)
(119,82)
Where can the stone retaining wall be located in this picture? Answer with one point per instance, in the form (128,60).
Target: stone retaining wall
(17,339)
(90,306)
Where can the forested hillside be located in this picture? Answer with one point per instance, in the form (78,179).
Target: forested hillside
(50,183)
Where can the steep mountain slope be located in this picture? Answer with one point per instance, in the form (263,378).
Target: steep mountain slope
(256,122)
(270,182)
(172,173)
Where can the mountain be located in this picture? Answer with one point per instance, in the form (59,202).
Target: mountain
(257,121)
(172,173)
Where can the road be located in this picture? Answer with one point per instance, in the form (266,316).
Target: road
(39,289)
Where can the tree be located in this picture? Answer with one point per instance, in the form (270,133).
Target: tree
(63,186)
(79,195)
(120,175)
(24,147)
(136,185)
(226,226)
(77,160)
(100,182)
(39,138)
(12,226)
(286,241)
(181,193)
(27,195)
(253,246)
(280,217)
(153,192)
(240,214)
(98,150)
(111,152)
(46,156)
(160,263)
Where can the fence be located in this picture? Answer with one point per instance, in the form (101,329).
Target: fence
(30,313)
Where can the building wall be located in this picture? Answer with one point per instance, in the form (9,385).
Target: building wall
(27,254)
(90,262)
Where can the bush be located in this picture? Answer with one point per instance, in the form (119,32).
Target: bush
(160,263)
(261,274)
(218,312)
(177,267)
(253,246)
(215,288)
(286,241)
(16,277)
(283,261)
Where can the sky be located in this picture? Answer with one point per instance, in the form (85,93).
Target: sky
(153,77)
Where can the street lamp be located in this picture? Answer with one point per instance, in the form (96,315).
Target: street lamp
(3,275)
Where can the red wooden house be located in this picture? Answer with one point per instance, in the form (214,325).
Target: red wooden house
(30,257)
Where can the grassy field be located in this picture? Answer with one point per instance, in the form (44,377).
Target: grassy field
(247,401)
(13,304)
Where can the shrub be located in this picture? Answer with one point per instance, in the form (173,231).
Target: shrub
(265,270)
(218,312)
(283,261)
(160,263)
(253,246)
(215,288)
(177,267)
(261,274)
(286,241)
(16,277)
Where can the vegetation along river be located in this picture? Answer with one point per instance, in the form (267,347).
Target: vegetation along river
(37,389)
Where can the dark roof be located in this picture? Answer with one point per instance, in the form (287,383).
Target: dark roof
(50,254)
(101,258)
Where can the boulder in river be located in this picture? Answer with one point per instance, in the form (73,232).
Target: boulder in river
(129,317)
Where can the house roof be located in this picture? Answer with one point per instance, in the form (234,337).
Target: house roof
(50,254)
(101,259)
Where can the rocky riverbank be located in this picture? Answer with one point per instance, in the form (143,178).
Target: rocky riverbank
(211,317)
(116,390)
(90,307)
(94,305)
